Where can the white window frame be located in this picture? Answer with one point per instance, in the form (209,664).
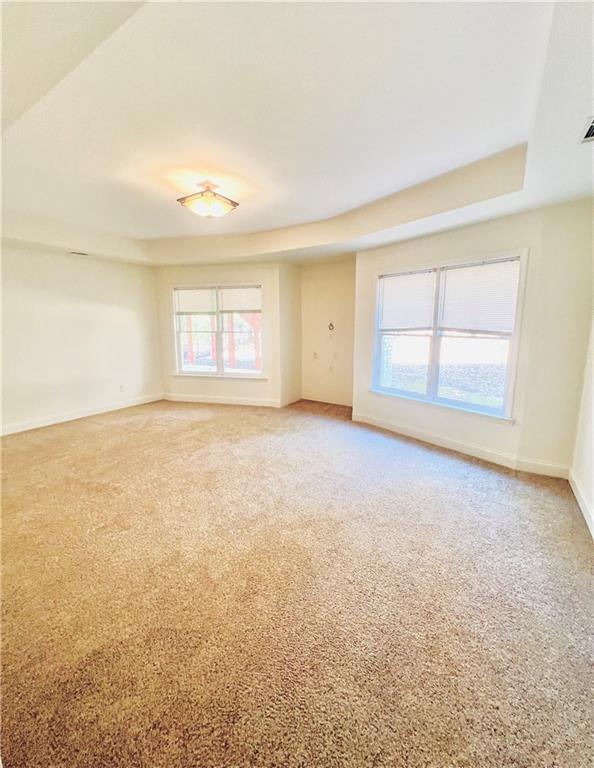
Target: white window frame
(437,332)
(219,373)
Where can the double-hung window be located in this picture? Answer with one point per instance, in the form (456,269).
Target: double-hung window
(218,330)
(447,335)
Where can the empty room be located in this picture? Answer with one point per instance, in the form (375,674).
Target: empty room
(297,385)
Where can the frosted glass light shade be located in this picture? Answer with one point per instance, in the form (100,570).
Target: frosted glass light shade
(208,203)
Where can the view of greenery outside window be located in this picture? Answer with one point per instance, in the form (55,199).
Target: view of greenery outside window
(444,334)
(218,330)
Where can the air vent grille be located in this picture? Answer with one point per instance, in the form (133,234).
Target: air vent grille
(589,132)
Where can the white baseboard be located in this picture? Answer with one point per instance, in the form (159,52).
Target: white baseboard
(496,457)
(221,400)
(580,497)
(537,467)
(506,460)
(23,426)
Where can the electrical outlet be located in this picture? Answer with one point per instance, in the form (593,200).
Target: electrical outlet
(122,387)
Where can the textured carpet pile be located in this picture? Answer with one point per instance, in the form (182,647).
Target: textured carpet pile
(191,586)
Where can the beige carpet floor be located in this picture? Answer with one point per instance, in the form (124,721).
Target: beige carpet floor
(194,586)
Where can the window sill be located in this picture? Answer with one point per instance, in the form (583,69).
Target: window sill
(240,376)
(460,408)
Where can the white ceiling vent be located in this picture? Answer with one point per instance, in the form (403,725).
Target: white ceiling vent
(589,132)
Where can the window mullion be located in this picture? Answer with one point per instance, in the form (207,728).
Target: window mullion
(435,340)
(178,351)
(219,334)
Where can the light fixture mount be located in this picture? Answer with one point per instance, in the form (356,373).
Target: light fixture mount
(207,202)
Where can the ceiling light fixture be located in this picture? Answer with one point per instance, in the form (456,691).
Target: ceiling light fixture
(207,202)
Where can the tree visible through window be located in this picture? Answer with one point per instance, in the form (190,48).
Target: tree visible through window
(219,330)
(445,334)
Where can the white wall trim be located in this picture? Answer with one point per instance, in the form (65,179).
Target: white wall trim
(24,426)
(506,460)
(580,497)
(222,400)
(538,467)
(503,459)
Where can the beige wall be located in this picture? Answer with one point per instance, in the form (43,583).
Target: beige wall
(78,337)
(289,276)
(553,340)
(580,475)
(328,296)
(559,299)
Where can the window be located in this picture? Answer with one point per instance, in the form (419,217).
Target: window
(446,335)
(218,330)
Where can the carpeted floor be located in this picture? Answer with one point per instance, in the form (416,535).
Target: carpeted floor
(191,586)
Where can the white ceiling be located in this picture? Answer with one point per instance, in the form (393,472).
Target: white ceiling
(299,111)
(43,42)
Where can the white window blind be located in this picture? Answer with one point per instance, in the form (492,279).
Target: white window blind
(192,300)
(481,297)
(445,335)
(240,299)
(407,301)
